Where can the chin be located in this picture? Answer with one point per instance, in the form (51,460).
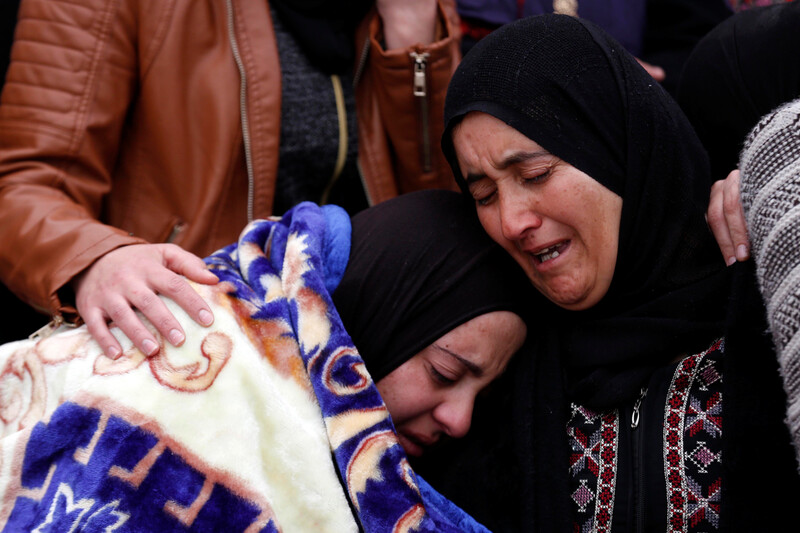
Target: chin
(571,300)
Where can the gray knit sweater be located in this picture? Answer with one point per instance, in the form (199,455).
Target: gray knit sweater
(770,189)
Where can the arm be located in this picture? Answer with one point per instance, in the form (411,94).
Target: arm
(63,111)
(408,22)
(770,180)
(400,93)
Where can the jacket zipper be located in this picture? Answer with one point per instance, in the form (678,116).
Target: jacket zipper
(362,62)
(243,111)
(56,321)
(638,459)
(421,92)
(176,230)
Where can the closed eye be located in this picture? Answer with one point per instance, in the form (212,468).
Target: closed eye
(439,377)
(484,200)
(537,177)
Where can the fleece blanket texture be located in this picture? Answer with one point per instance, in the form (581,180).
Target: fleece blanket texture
(266,421)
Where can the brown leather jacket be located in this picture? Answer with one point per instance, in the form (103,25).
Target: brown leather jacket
(137,121)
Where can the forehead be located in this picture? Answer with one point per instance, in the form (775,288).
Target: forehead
(482,134)
(485,342)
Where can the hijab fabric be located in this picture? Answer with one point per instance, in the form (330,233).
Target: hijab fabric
(740,71)
(420,265)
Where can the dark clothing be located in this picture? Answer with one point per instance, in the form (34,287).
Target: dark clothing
(661,32)
(624,19)
(742,70)
(570,87)
(616,478)
(441,270)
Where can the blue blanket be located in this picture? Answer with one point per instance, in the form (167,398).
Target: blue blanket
(265,421)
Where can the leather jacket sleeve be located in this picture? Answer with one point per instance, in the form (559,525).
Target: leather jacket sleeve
(62,112)
(403,115)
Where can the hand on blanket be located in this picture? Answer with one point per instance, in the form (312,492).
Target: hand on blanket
(131,278)
(725,217)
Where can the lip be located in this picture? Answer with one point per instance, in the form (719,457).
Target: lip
(414,445)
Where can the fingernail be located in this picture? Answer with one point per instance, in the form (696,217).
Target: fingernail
(731,260)
(206,318)
(149,347)
(741,252)
(112,352)
(176,337)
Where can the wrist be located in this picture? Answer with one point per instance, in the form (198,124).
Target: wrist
(406,24)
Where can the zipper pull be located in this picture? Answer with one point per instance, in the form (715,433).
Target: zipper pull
(420,73)
(51,327)
(636,406)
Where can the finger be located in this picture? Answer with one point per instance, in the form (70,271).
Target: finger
(98,329)
(656,72)
(181,292)
(195,269)
(156,311)
(715,218)
(187,264)
(734,217)
(123,316)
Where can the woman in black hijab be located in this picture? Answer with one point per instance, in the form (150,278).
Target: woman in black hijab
(433,306)
(590,176)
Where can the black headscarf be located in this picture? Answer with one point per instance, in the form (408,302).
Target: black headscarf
(743,69)
(420,265)
(570,87)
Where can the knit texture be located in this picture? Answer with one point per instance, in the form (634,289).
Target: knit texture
(770,189)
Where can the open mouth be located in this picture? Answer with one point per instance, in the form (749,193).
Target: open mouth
(551,252)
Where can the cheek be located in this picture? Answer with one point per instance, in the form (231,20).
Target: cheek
(490,220)
(403,395)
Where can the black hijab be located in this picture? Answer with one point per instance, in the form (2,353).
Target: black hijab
(570,87)
(420,265)
(743,69)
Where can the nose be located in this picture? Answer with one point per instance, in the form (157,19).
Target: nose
(455,416)
(518,215)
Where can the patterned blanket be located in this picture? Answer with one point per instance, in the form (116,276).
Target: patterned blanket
(266,421)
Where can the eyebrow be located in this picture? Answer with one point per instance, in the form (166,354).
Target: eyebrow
(472,367)
(513,159)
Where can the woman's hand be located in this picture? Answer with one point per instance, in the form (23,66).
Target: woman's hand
(408,22)
(725,217)
(131,278)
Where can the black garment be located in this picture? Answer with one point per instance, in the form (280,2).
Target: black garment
(568,86)
(742,70)
(438,271)
(8,20)
(311,118)
(324,29)
(673,28)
